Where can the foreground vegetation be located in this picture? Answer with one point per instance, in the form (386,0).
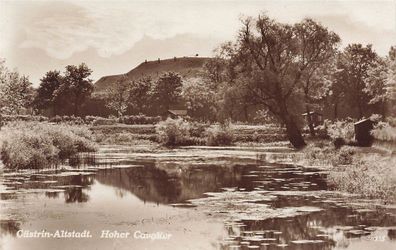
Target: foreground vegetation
(371,176)
(362,171)
(369,172)
(34,145)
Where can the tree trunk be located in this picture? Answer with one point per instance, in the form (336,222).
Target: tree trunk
(292,131)
(310,124)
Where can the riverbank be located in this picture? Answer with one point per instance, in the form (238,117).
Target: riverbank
(367,171)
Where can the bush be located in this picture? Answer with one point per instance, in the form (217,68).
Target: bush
(39,145)
(341,129)
(198,129)
(219,135)
(173,132)
(340,132)
(384,131)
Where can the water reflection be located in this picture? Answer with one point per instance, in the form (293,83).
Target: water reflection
(9,227)
(325,229)
(75,195)
(154,184)
(177,181)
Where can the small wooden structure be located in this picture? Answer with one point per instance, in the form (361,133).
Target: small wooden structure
(316,118)
(362,132)
(177,113)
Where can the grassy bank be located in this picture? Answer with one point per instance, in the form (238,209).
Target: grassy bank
(368,172)
(37,145)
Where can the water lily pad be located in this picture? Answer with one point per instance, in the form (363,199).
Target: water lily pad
(307,241)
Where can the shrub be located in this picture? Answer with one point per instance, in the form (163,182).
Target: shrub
(340,132)
(173,132)
(384,131)
(39,145)
(198,129)
(341,129)
(219,135)
(391,120)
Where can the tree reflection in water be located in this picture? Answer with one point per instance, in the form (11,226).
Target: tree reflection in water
(9,227)
(154,184)
(75,194)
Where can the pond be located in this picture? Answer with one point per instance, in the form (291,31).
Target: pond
(188,198)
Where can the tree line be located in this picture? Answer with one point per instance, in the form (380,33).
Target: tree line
(285,70)
(272,70)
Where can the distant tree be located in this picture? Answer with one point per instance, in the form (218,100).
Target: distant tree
(45,92)
(140,95)
(272,61)
(200,99)
(118,96)
(167,90)
(16,91)
(75,89)
(353,67)
(215,70)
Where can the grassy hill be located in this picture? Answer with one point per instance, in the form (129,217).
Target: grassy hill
(187,67)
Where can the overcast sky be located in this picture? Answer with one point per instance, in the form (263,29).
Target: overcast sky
(114,36)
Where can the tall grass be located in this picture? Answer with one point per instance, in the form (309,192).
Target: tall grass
(370,176)
(34,145)
(354,170)
(325,154)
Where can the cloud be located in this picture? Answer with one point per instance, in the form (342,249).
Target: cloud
(62,29)
(111,35)
(113,27)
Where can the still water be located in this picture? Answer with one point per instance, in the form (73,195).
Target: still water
(202,198)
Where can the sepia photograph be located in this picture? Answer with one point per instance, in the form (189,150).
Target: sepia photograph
(197,124)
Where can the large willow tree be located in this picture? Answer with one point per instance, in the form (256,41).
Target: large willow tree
(277,63)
